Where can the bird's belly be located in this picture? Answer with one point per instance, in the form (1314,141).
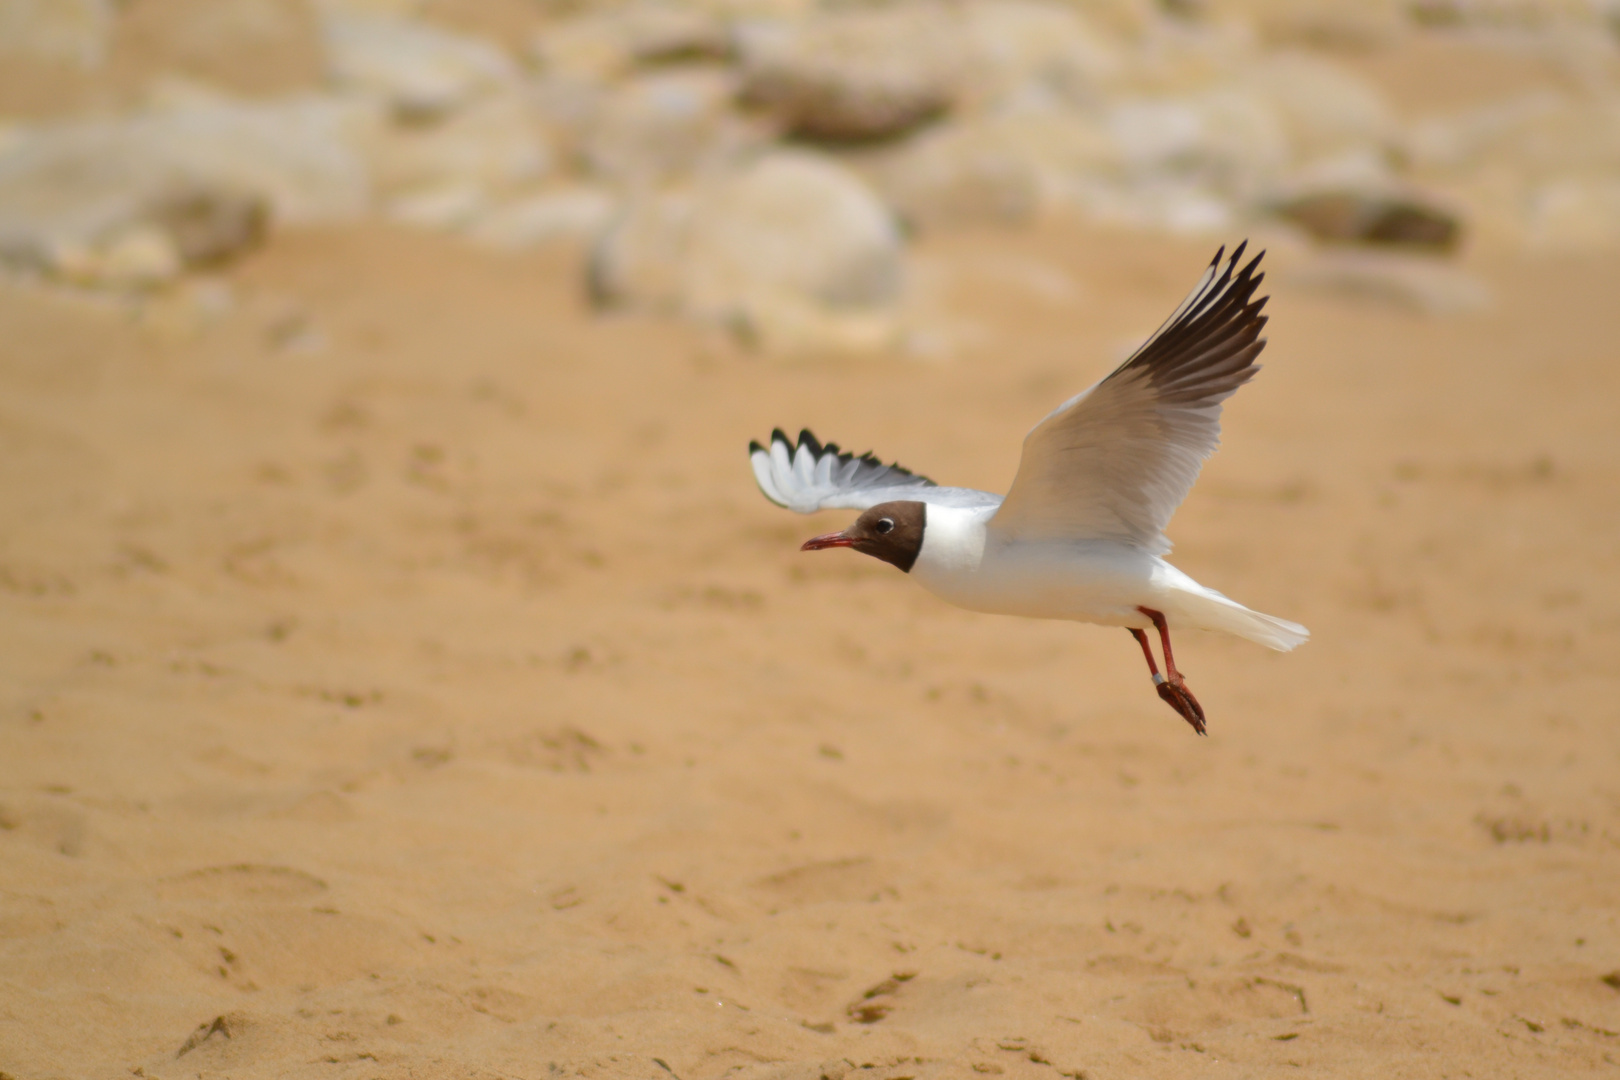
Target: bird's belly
(1099,584)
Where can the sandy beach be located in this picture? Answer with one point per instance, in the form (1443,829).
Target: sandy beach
(401,675)
(404,678)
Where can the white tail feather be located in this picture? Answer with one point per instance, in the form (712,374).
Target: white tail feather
(1215,612)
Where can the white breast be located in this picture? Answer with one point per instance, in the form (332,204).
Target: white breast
(1098,581)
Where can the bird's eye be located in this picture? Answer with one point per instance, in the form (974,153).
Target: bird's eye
(885,525)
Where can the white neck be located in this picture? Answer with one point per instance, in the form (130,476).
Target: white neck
(953,542)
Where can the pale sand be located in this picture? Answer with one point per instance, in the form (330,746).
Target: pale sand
(445,701)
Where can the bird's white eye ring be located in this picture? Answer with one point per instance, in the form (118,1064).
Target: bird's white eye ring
(885,525)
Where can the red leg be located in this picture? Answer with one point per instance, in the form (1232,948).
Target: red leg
(1174,689)
(1141,639)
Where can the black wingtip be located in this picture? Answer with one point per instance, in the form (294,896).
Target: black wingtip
(754,447)
(780,436)
(807,439)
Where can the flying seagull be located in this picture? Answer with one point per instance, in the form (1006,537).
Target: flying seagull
(1081,534)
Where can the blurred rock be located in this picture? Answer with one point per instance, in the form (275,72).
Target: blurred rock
(449,205)
(247,47)
(297,153)
(1414,282)
(852,76)
(795,252)
(664,33)
(795,223)
(1510,14)
(638,260)
(496,142)
(1162,164)
(137,256)
(580,213)
(605,45)
(206,175)
(1018,48)
(1358,218)
(75,31)
(957,174)
(663,125)
(420,70)
(1362,26)
(507,24)
(788,326)
(210,226)
(1174,205)
(1225,140)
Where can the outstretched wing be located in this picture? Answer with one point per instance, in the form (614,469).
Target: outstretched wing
(811,477)
(1114,462)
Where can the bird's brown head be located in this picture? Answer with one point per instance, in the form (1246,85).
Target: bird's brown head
(891,531)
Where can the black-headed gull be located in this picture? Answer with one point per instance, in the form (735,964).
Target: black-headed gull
(1081,534)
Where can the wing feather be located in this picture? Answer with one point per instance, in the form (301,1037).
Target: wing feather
(810,477)
(1115,461)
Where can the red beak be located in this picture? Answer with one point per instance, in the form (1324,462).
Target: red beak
(826,540)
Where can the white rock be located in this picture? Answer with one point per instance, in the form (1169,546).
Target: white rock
(297,153)
(961,173)
(496,142)
(447,206)
(795,223)
(1016,46)
(579,213)
(666,125)
(1364,169)
(419,69)
(78,31)
(1152,164)
(1224,140)
(639,260)
(71,186)
(604,45)
(1164,205)
(795,251)
(1330,24)
(789,326)
(139,257)
(657,32)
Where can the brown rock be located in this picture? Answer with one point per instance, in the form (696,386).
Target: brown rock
(1352,218)
(851,77)
(211,226)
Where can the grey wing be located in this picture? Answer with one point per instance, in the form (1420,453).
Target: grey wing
(811,477)
(1114,462)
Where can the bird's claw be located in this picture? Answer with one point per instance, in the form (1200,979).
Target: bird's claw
(1175,694)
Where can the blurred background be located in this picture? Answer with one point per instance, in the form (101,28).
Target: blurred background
(400,674)
(762,164)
